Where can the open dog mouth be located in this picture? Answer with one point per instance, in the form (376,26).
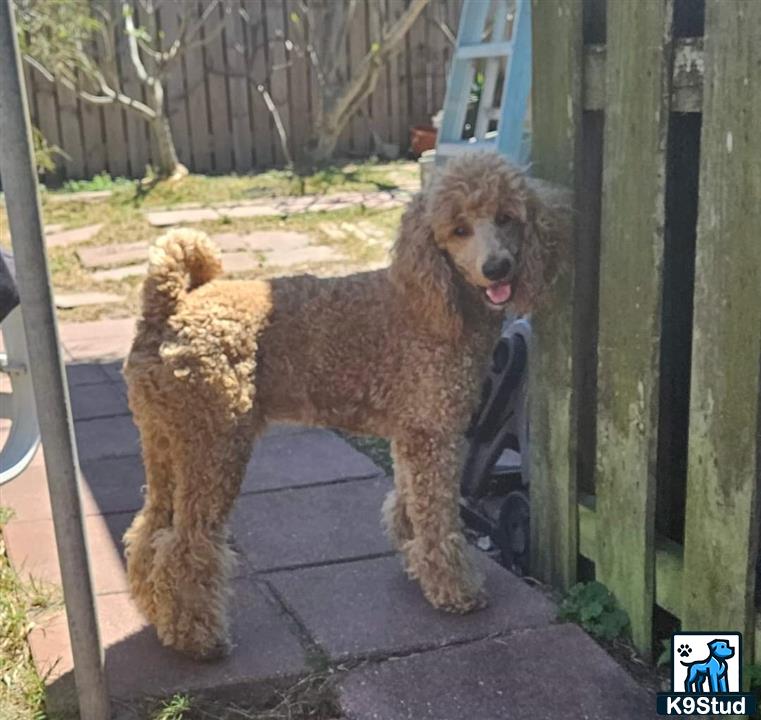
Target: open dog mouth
(499,293)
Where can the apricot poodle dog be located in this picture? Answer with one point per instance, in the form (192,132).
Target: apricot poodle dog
(399,353)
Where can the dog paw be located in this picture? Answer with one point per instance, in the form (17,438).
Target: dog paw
(459,603)
(218,651)
(683,650)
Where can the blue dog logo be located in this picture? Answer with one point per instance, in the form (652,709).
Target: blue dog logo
(713,669)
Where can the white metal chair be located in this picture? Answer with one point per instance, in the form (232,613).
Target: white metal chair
(18,405)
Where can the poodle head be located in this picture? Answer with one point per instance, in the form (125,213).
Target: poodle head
(482,222)
(496,229)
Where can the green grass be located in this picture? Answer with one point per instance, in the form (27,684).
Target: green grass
(21,688)
(210,189)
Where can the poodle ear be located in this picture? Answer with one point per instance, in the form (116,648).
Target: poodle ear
(421,272)
(546,240)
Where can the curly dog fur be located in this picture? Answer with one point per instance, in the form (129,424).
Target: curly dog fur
(398,353)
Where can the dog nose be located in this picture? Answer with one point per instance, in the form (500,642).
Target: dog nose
(497,268)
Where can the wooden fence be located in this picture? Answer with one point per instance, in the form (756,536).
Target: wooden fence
(645,405)
(220,123)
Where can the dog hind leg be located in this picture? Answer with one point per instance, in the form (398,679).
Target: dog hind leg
(193,563)
(155,516)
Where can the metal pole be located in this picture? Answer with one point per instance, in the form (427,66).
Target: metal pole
(48,375)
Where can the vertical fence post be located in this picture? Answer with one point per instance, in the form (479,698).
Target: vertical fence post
(631,256)
(721,527)
(556,143)
(48,376)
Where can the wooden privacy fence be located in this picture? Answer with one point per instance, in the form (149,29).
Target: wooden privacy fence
(220,122)
(645,404)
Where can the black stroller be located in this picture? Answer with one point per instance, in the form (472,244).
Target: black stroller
(495,480)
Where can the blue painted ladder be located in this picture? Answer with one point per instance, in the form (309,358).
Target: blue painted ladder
(498,34)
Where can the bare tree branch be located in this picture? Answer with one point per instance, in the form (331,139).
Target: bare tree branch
(366,75)
(446,31)
(108,97)
(134,50)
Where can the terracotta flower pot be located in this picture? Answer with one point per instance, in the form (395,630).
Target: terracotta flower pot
(422,138)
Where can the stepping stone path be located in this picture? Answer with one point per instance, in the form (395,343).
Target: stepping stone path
(85,196)
(55,236)
(120,273)
(67,301)
(108,255)
(316,578)
(240,253)
(363,230)
(278,207)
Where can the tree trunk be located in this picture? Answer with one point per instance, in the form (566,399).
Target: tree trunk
(341,97)
(322,145)
(168,165)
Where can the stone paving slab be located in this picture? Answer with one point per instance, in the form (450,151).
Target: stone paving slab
(554,673)
(249,211)
(311,525)
(27,494)
(300,256)
(236,262)
(106,437)
(32,550)
(314,456)
(67,301)
(81,196)
(262,240)
(116,254)
(109,485)
(120,273)
(98,340)
(382,612)
(97,401)
(267,649)
(85,374)
(55,236)
(281,206)
(165,218)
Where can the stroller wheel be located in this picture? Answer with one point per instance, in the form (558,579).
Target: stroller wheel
(514,527)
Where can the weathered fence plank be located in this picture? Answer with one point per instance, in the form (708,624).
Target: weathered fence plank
(631,257)
(257,47)
(219,117)
(721,532)
(557,37)
(273,13)
(238,88)
(176,93)
(298,81)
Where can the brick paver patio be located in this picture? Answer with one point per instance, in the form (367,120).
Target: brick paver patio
(316,574)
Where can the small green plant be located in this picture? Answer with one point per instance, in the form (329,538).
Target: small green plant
(174,708)
(45,153)
(102,181)
(593,606)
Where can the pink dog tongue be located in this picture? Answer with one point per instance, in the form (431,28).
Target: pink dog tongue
(499,292)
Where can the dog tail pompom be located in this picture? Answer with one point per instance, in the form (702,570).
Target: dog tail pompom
(179,261)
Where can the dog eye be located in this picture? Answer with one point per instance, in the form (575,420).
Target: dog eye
(503,219)
(462,231)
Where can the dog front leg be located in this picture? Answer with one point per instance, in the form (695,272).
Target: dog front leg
(426,468)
